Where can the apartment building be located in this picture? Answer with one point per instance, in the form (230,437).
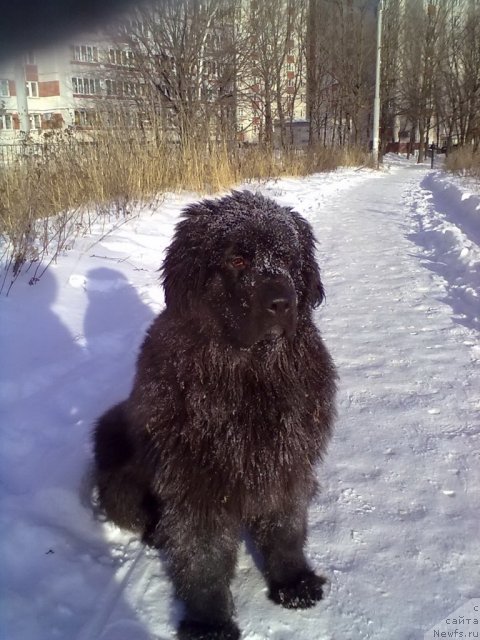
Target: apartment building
(34,94)
(66,86)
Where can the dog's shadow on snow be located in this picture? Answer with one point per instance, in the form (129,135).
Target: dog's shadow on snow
(114,326)
(59,383)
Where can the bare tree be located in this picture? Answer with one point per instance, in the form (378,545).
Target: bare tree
(460,72)
(390,73)
(340,72)
(271,26)
(320,80)
(184,55)
(190,67)
(440,70)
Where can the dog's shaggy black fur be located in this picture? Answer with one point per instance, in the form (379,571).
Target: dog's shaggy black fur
(231,409)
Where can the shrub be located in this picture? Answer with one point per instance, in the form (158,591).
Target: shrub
(464,161)
(47,199)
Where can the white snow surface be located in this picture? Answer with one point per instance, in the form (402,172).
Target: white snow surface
(396,526)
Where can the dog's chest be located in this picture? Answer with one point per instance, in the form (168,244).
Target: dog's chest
(253,426)
(244,400)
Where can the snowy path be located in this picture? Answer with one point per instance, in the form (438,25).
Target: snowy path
(396,526)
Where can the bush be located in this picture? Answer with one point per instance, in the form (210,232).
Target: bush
(48,199)
(464,161)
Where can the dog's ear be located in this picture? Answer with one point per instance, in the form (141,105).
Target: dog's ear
(184,268)
(313,292)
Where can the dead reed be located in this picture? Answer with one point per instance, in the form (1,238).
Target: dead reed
(48,199)
(464,161)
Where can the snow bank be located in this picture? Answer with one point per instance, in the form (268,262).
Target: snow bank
(458,199)
(448,216)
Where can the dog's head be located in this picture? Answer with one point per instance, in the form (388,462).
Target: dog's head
(248,263)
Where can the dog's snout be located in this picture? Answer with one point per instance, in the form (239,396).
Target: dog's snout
(277,298)
(279,306)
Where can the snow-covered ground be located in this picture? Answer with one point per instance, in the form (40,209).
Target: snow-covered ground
(396,527)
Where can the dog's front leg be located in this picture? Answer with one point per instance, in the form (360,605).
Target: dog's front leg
(280,537)
(202,562)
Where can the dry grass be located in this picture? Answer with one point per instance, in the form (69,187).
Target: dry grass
(46,201)
(464,161)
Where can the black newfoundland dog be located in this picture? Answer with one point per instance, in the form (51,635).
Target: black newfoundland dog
(231,409)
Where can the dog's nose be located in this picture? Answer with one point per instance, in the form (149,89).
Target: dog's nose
(279,306)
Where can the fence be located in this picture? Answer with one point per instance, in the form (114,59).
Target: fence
(15,152)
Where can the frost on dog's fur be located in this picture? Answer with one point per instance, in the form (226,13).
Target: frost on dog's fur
(231,409)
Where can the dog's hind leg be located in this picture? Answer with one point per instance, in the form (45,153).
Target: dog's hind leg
(124,496)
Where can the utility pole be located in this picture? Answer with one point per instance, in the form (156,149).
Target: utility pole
(376,104)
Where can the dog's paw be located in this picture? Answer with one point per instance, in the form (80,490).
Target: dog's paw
(191,630)
(303,593)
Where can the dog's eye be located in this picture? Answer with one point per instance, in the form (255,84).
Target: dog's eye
(238,262)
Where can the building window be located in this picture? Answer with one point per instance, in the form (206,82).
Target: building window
(86,86)
(84,118)
(291,82)
(4,88)
(35,121)
(112,87)
(130,88)
(6,122)
(120,88)
(32,89)
(135,27)
(120,57)
(85,53)
(211,68)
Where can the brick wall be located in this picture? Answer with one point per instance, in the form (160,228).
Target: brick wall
(55,122)
(31,73)
(49,88)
